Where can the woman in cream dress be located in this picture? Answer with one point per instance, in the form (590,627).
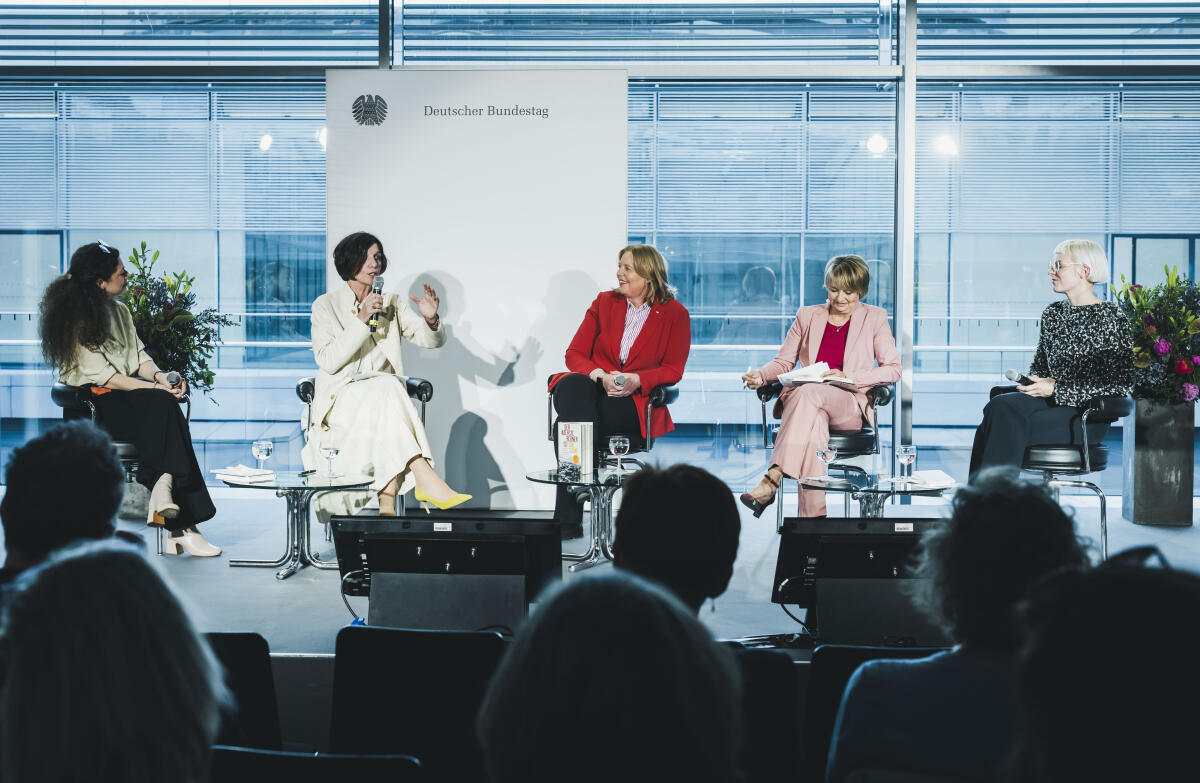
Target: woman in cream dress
(360,404)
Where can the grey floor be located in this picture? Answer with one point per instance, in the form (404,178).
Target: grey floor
(303,614)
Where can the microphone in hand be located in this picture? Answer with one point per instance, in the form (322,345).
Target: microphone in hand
(172,378)
(619,381)
(376,288)
(1017,377)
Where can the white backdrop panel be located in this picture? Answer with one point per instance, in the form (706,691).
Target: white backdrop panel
(514,219)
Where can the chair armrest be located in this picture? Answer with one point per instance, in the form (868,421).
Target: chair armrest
(881,395)
(70,397)
(1109,408)
(998,390)
(769,391)
(419,388)
(664,394)
(306,388)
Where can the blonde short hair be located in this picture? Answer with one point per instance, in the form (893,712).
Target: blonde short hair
(848,273)
(1087,253)
(650,264)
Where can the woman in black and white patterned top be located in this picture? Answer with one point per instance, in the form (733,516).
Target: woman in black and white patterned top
(1085,351)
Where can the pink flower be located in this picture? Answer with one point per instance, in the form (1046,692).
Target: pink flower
(1162,347)
(1189,391)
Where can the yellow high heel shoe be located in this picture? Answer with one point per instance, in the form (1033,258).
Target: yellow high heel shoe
(457,500)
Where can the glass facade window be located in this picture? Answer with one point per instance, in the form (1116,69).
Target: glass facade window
(198,33)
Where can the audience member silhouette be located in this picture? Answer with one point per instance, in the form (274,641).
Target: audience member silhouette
(35,518)
(679,526)
(1108,679)
(105,679)
(954,713)
(610,679)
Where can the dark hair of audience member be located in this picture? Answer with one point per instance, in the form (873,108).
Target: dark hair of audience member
(679,526)
(75,455)
(617,660)
(105,680)
(973,568)
(1108,678)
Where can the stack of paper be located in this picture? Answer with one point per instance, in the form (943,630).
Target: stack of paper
(812,374)
(240,474)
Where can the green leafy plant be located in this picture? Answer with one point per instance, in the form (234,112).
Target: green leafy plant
(175,337)
(1165,321)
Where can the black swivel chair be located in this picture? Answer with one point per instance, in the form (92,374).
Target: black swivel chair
(418,389)
(76,403)
(849,443)
(1057,460)
(663,394)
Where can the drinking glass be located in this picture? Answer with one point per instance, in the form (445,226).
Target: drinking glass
(618,446)
(330,450)
(906,455)
(828,455)
(262,451)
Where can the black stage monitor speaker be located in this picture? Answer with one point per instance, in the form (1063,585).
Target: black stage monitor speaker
(466,569)
(851,573)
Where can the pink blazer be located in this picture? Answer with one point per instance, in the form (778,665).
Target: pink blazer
(871,357)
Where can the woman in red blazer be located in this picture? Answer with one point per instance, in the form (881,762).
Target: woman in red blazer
(855,340)
(637,332)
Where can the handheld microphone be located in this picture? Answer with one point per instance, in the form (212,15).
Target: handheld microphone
(172,378)
(1014,375)
(619,380)
(376,288)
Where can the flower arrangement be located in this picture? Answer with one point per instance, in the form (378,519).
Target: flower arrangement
(1165,321)
(175,337)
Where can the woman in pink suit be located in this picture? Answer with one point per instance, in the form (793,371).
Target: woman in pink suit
(854,339)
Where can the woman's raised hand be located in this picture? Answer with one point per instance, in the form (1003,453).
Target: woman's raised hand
(427,304)
(753,379)
(371,305)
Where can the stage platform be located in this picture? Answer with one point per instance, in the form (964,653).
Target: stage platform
(302,614)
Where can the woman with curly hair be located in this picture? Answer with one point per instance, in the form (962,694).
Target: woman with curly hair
(89,338)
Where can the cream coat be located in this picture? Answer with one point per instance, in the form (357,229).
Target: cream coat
(345,347)
(360,402)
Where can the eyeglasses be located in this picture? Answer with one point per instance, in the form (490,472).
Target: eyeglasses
(1058,266)
(104,246)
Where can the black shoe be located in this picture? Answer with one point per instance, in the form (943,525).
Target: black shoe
(756,505)
(568,531)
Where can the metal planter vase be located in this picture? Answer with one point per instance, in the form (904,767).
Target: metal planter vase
(1158,454)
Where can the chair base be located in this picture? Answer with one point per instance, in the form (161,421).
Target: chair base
(1055,481)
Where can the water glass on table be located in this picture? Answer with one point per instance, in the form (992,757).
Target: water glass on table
(828,456)
(329,450)
(618,446)
(262,451)
(906,455)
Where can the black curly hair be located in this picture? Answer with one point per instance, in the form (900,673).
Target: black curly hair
(75,311)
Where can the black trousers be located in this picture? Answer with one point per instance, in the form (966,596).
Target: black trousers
(1014,421)
(153,422)
(579,398)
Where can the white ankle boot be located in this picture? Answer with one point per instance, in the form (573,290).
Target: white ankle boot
(162,505)
(192,542)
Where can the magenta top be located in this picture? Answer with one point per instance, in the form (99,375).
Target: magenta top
(832,349)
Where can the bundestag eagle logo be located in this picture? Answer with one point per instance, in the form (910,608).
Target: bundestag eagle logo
(369,109)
